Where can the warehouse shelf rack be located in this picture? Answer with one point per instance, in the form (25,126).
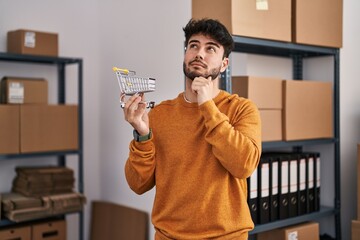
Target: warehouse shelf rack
(298,52)
(60,63)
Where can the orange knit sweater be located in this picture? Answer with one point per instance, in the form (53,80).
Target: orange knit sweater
(199,158)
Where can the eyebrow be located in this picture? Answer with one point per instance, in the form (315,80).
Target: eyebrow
(208,43)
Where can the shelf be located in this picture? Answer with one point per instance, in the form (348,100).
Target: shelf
(60,63)
(324,212)
(11,57)
(8,223)
(284,144)
(37,154)
(281,49)
(297,53)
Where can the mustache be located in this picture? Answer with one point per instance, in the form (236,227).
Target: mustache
(198,61)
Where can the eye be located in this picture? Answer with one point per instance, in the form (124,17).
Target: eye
(192,46)
(211,49)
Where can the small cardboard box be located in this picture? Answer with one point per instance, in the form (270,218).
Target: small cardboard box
(9,129)
(20,233)
(305,231)
(266,93)
(318,22)
(269,19)
(308,110)
(271,123)
(355,230)
(32,42)
(55,230)
(48,128)
(24,90)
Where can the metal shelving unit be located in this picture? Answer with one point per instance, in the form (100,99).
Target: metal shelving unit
(60,63)
(298,52)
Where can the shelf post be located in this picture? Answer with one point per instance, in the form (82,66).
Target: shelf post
(337,143)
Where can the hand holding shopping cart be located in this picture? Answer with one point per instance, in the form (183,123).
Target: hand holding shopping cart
(131,84)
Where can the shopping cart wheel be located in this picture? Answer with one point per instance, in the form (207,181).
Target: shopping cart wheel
(151,104)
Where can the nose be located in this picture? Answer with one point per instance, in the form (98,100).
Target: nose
(199,57)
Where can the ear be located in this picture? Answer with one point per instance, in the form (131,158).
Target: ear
(224,64)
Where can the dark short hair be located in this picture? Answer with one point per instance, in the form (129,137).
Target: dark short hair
(212,28)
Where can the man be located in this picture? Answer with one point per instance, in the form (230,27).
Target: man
(199,148)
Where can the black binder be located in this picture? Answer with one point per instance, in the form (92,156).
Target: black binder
(284,186)
(310,183)
(274,188)
(263,190)
(293,177)
(252,183)
(302,179)
(317,181)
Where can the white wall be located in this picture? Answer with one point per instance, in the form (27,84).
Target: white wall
(147,36)
(349,113)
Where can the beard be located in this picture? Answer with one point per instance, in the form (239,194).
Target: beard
(213,73)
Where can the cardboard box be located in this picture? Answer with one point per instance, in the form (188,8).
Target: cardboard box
(20,233)
(55,230)
(114,221)
(355,230)
(271,123)
(48,128)
(24,41)
(9,129)
(24,90)
(305,231)
(358,182)
(318,22)
(266,93)
(269,19)
(308,110)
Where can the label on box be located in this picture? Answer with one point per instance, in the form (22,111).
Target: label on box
(30,39)
(293,235)
(262,5)
(16,92)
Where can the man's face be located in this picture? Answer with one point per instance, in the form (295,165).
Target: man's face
(204,58)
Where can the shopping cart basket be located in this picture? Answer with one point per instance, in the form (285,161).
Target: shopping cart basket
(131,84)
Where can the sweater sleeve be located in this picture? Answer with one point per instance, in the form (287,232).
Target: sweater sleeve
(140,166)
(237,145)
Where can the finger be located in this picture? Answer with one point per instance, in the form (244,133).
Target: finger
(130,106)
(130,100)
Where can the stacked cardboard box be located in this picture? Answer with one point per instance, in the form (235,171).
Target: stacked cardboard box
(308,110)
(10,129)
(304,231)
(269,19)
(317,22)
(55,230)
(29,123)
(18,233)
(289,109)
(16,90)
(40,181)
(301,21)
(23,41)
(40,192)
(266,93)
(19,208)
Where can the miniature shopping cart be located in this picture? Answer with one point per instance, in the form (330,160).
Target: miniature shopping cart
(131,84)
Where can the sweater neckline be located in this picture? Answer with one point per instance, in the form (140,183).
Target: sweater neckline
(187,103)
